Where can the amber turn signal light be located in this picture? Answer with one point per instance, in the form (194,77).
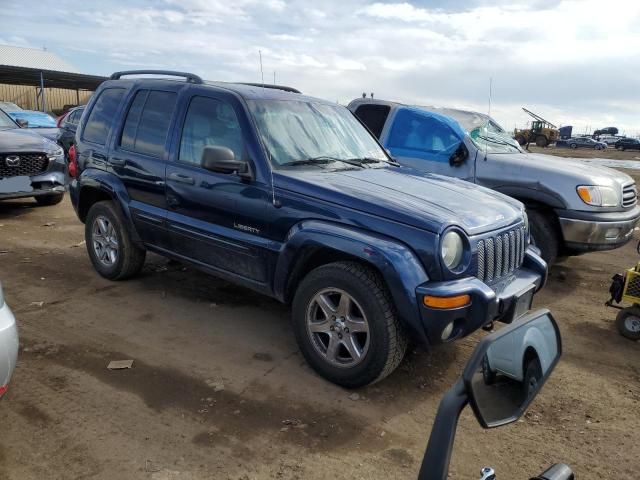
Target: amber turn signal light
(447,302)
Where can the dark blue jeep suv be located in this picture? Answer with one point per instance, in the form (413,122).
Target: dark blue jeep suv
(292,196)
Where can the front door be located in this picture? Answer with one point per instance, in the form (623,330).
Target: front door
(429,143)
(216,219)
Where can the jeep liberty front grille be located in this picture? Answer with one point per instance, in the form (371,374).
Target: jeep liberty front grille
(19,164)
(500,255)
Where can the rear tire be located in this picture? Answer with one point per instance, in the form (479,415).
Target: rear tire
(113,254)
(544,235)
(532,377)
(628,322)
(320,296)
(49,200)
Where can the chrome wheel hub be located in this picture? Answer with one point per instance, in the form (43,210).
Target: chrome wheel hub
(337,327)
(632,323)
(104,241)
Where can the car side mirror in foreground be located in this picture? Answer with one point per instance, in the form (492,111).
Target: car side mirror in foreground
(222,160)
(458,157)
(503,376)
(22,123)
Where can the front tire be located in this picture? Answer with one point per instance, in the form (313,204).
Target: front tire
(49,200)
(573,145)
(113,254)
(628,322)
(346,325)
(544,235)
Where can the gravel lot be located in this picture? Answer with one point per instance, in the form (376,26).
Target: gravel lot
(219,390)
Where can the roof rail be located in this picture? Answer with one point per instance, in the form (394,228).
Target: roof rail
(190,77)
(275,87)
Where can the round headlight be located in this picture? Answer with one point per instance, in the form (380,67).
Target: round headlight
(452,249)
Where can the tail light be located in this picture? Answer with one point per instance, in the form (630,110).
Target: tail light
(73,162)
(3,389)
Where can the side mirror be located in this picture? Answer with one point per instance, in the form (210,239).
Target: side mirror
(22,123)
(503,376)
(509,368)
(458,157)
(222,160)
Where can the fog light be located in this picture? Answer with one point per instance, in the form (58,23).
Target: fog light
(612,233)
(446,333)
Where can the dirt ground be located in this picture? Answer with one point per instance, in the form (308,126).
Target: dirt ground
(219,389)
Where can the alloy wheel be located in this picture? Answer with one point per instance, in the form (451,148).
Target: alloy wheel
(105,241)
(338,328)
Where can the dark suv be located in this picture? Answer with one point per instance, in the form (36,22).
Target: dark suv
(291,196)
(628,144)
(30,165)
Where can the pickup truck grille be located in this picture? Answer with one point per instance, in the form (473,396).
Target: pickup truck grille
(629,195)
(500,255)
(19,164)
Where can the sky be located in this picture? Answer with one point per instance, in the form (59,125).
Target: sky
(574,62)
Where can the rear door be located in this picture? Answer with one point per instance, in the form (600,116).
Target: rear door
(423,141)
(139,157)
(216,219)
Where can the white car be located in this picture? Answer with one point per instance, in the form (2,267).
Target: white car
(524,356)
(8,344)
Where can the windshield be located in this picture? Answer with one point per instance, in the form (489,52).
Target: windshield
(303,132)
(35,119)
(6,122)
(485,132)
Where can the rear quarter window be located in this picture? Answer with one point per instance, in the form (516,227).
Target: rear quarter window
(101,116)
(147,123)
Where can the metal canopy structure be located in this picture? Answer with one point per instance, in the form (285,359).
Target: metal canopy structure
(52,79)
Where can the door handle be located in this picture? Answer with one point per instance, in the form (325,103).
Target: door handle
(180,178)
(117,161)
(98,156)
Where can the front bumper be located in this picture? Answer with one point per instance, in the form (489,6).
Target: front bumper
(8,345)
(47,183)
(489,303)
(586,232)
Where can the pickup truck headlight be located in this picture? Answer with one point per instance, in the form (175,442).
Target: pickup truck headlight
(452,249)
(1,297)
(527,233)
(599,196)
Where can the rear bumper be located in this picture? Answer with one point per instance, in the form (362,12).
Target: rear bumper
(488,303)
(598,231)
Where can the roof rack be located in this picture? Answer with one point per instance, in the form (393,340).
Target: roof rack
(275,87)
(190,77)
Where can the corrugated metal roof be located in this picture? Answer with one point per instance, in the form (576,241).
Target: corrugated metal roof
(34,58)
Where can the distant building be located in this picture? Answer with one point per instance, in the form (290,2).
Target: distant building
(25,71)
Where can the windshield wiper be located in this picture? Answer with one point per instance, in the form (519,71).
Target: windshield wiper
(310,161)
(496,141)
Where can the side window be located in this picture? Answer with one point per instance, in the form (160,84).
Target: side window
(373,116)
(101,116)
(147,123)
(421,132)
(209,122)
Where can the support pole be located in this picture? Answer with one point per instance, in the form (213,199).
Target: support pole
(44,98)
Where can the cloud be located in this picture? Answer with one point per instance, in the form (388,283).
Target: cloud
(572,61)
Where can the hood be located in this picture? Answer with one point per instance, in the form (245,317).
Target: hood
(24,140)
(427,201)
(52,133)
(581,173)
